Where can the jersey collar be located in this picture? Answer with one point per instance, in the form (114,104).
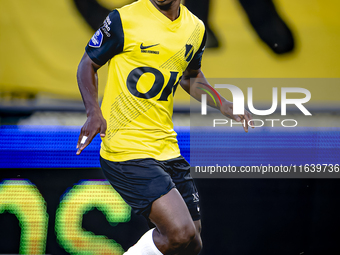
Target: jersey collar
(165,20)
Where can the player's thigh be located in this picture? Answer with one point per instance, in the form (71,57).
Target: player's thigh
(139,182)
(179,170)
(171,215)
(198,239)
(198,226)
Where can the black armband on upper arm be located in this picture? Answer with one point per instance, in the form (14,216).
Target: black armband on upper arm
(195,63)
(107,41)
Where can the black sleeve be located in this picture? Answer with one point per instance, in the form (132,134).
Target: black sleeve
(107,41)
(195,63)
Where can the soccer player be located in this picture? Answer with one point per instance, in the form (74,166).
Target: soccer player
(151,46)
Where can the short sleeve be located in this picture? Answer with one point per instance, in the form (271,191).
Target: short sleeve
(107,41)
(195,63)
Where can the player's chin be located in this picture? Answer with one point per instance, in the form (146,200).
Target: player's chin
(163,2)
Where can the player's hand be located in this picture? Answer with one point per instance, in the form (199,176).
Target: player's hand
(94,124)
(246,119)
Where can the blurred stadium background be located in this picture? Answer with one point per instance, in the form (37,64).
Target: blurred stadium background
(41,44)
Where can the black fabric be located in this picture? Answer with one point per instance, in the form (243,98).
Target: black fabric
(112,41)
(195,63)
(200,8)
(268,24)
(142,181)
(92,12)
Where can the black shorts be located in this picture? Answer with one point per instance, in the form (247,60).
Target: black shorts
(142,181)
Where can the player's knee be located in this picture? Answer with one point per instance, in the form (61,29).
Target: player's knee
(182,236)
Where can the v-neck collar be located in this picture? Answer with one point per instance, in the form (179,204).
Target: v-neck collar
(164,19)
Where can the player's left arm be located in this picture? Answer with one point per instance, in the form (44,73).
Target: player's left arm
(195,84)
(194,88)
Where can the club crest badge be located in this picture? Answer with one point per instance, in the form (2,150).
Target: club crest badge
(97,39)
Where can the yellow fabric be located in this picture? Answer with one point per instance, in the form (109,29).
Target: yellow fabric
(142,127)
(41,44)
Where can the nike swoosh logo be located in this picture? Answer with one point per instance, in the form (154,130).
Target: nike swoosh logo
(142,47)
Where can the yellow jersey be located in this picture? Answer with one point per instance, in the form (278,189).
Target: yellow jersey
(147,54)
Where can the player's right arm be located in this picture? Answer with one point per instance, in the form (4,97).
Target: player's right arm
(107,42)
(88,85)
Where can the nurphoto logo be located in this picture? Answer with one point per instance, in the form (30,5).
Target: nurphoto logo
(239,102)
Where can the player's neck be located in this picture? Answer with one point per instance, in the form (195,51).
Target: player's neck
(171,10)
